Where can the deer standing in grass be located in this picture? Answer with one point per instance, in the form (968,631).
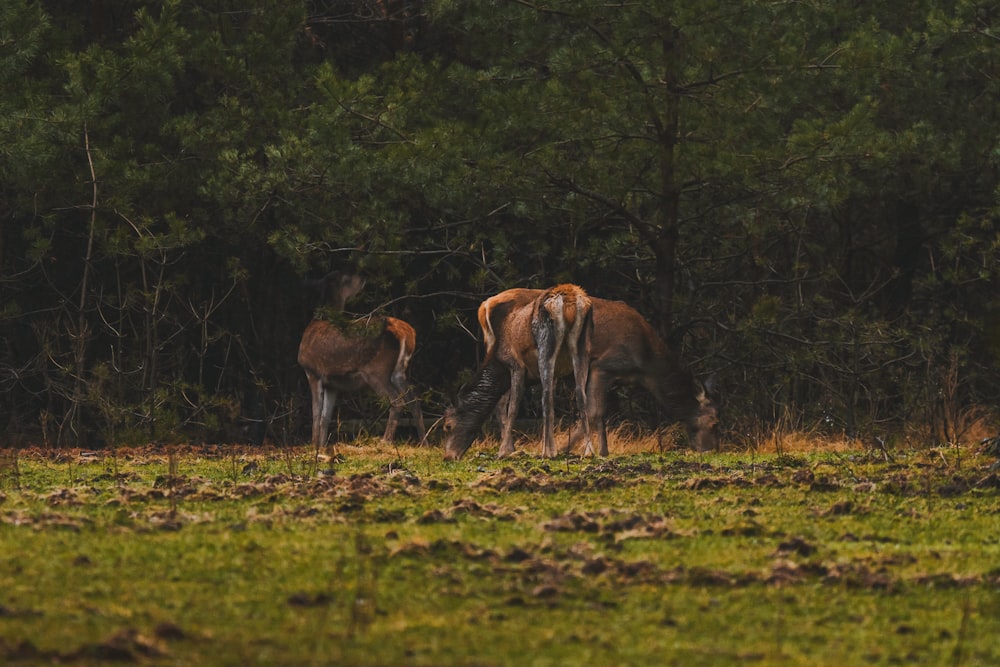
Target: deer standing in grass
(624,348)
(343,356)
(540,339)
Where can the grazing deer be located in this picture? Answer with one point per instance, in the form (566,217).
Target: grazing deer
(473,405)
(542,336)
(528,337)
(624,348)
(345,356)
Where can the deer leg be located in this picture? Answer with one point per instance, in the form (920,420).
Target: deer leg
(384,387)
(548,343)
(598,386)
(501,408)
(404,396)
(597,393)
(316,396)
(392,421)
(548,413)
(322,413)
(581,371)
(513,400)
(418,415)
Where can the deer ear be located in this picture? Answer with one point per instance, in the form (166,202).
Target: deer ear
(711,384)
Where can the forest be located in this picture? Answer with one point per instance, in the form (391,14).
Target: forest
(802,197)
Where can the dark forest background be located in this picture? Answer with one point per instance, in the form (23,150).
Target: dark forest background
(801,196)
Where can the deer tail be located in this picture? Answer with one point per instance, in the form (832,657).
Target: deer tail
(570,299)
(407,338)
(489,337)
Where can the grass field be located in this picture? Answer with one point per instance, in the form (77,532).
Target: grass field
(384,555)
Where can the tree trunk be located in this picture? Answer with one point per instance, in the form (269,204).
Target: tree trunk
(665,245)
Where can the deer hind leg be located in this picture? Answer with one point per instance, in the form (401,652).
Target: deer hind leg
(549,333)
(507,422)
(392,421)
(323,401)
(417,414)
(403,394)
(316,404)
(391,392)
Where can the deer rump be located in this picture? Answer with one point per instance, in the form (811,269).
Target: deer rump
(624,348)
(347,358)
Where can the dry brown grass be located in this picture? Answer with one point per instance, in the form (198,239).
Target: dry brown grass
(789,435)
(802,442)
(627,438)
(968,425)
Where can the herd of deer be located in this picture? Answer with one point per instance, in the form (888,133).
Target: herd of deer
(529,334)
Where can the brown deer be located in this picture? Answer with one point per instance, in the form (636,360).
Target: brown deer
(624,348)
(346,356)
(541,337)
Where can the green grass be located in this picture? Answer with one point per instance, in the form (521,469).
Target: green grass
(389,556)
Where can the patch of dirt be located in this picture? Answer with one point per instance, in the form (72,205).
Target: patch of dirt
(45,520)
(620,467)
(491,511)
(509,480)
(303,599)
(841,508)
(615,525)
(542,480)
(733,479)
(797,545)
(127,645)
(8,612)
(546,572)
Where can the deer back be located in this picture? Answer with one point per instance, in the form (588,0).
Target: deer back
(506,324)
(494,311)
(626,345)
(333,349)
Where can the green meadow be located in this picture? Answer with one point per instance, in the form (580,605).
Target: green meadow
(384,555)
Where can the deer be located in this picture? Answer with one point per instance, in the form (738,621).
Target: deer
(624,348)
(532,335)
(539,338)
(342,356)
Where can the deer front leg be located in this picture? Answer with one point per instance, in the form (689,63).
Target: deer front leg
(598,386)
(501,408)
(597,394)
(513,400)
